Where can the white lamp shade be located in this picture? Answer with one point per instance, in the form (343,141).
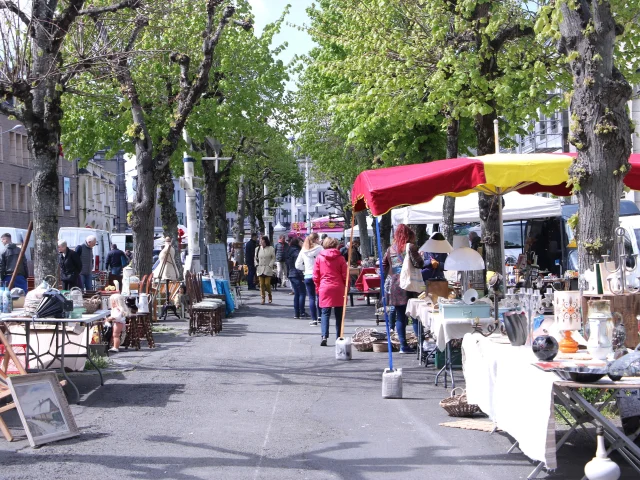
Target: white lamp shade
(464,259)
(567,310)
(279,228)
(436,246)
(460,241)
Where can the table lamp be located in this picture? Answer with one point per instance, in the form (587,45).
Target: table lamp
(436,246)
(464,259)
(567,313)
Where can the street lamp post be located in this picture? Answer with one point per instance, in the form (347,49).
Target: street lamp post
(306,181)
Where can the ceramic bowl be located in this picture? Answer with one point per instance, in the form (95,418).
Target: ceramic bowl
(581,374)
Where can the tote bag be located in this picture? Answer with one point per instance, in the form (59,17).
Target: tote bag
(410,276)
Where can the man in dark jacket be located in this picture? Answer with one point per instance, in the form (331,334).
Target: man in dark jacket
(115,262)
(85,252)
(281,255)
(250,258)
(9,264)
(70,266)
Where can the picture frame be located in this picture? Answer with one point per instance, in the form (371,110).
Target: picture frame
(43,408)
(66,193)
(521,263)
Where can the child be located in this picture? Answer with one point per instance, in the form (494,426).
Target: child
(118,316)
(182,301)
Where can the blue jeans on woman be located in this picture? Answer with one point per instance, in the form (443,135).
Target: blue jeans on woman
(326,313)
(299,295)
(313,299)
(401,325)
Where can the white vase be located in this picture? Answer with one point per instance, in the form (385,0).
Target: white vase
(601,467)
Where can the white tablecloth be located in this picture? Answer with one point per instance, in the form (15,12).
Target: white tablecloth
(517,396)
(448,329)
(419,309)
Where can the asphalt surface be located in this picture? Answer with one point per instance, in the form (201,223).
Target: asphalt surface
(263,400)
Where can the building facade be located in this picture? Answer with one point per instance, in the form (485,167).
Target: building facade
(180,201)
(15,181)
(115,164)
(96,197)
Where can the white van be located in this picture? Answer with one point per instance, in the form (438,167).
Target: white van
(124,241)
(75,236)
(17,237)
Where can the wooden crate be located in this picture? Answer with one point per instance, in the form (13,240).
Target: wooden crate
(628,305)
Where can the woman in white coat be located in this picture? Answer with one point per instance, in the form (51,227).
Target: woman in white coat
(265,266)
(166,263)
(305,262)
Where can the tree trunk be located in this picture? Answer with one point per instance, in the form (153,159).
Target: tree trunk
(449,204)
(488,204)
(168,214)
(214,199)
(421,233)
(45,198)
(143,211)
(600,129)
(361,218)
(240,214)
(385,231)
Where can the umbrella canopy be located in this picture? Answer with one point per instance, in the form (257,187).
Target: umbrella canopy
(387,188)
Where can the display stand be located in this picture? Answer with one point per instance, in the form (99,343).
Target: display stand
(9,354)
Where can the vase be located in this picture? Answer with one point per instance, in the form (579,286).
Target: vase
(545,347)
(599,315)
(601,467)
(567,313)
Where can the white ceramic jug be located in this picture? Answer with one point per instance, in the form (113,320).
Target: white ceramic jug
(599,343)
(142,302)
(601,467)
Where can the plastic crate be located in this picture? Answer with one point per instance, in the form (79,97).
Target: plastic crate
(20,350)
(456,358)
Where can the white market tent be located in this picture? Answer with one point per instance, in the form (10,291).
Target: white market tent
(517,207)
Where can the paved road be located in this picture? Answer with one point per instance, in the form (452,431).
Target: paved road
(265,401)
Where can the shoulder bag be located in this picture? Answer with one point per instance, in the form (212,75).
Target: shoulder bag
(410,276)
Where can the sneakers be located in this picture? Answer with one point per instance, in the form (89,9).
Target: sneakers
(296,318)
(323,342)
(290,293)
(114,350)
(407,350)
(304,315)
(313,323)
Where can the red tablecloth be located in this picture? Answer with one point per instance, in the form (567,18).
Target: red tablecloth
(366,283)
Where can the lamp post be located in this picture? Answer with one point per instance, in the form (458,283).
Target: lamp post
(306,182)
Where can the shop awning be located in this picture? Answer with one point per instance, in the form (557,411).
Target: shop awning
(386,188)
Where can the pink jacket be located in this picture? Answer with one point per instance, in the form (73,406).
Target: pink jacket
(330,276)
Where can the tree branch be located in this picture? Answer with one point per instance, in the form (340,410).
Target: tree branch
(184,61)
(13,8)
(94,11)
(510,33)
(140,22)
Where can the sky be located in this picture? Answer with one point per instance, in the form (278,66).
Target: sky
(298,43)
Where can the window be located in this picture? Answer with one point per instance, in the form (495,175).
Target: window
(554,123)
(543,125)
(12,147)
(14,197)
(26,155)
(73,205)
(22,193)
(1,195)
(28,200)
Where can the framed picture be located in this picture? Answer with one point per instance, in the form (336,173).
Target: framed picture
(42,407)
(66,193)
(521,264)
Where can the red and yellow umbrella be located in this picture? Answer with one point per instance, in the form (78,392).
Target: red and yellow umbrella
(387,188)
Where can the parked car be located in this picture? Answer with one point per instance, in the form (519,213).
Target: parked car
(75,236)
(17,237)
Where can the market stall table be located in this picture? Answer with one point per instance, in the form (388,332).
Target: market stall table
(60,339)
(519,398)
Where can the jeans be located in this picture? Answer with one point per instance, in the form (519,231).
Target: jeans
(313,299)
(401,325)
(326,313)
(251,276)
(299,295)
(87,282)
(265,286)
(19,282)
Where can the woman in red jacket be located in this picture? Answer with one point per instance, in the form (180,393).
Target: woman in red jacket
(330,277)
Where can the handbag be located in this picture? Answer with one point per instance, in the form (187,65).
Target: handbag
(410,276)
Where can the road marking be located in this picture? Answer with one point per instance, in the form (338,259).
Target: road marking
(273,414)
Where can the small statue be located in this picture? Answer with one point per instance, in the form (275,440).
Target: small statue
(619,336)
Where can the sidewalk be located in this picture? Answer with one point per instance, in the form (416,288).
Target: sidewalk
(263,400)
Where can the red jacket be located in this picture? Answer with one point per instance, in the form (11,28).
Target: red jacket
(330,277)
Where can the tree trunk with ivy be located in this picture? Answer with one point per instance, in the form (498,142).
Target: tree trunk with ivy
(600,125)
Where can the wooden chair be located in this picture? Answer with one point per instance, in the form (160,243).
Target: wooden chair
(204,315)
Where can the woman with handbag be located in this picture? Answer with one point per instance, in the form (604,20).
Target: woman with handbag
(265,267)
(402,259)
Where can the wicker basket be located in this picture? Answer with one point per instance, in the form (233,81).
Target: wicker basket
(457,406)
(93,304)
(412,341)
(380,346)
(361,340)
